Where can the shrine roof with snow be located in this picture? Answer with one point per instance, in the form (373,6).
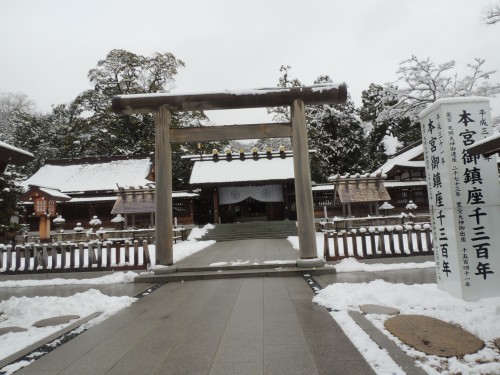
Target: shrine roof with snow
(78,176)
(236,170)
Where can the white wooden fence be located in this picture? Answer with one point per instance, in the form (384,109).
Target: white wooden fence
(62,257)
(378,242)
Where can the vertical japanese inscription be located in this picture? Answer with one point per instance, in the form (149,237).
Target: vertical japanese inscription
(463,195)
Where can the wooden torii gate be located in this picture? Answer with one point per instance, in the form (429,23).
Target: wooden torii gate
(297,97)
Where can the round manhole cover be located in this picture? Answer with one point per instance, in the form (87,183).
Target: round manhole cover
(433,336)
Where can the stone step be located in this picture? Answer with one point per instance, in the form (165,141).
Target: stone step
(232,274)
(255,229)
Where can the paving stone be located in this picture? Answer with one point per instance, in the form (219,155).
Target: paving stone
(5,330)
(433,336)
(378,309)
(63,319)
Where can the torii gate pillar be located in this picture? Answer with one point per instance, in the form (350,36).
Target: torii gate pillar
(163,184)
(303,189)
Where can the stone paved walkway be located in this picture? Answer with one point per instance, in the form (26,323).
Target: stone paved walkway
(227,326)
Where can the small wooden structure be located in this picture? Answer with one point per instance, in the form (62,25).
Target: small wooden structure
(44,206)
(138,203)
(164,104)
(357,189)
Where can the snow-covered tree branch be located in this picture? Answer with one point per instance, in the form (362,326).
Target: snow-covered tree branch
(422,82)
(491,14)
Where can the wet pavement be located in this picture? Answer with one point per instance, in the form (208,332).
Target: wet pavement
(227,326)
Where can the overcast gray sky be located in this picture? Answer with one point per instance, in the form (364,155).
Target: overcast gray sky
(48,46)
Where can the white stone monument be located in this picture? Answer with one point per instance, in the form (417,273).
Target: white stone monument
(464,197)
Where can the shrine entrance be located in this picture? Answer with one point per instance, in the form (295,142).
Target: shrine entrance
(251,210)
(296,98)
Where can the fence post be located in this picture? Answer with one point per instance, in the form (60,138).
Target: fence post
(399,230)
(364,248)
(18,258)
(428,240)
(81,255)
(136,253)
(354,239)
(127,249)
(390,230)
(409,235)
(9,258)
(326,247)
(145,250)
(72,255)
(345,245)
(381,240)
(90,254)
(336,251)
(108,254)
(27,258)
(373,243)
(63,264)
(36,252)
(117,253)
(418,231)
(99,255)
(45,257)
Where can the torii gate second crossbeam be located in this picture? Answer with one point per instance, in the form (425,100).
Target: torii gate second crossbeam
(297,97)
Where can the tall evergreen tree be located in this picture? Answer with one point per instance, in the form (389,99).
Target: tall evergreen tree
(376,132)
(49,136)
(336,132)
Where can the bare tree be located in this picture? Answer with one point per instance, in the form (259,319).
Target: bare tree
(491,14)
(422,82)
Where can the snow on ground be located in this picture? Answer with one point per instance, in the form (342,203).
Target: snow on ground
(24,311)
(482,318)
(115,278)
(352,265)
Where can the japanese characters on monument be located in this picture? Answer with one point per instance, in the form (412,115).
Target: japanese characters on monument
(464,197)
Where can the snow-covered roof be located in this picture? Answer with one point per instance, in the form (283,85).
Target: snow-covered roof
(323,187)
(54,193)
(13,155)
(392,184)
(248,170)
(487,146)
(404,160)
(93,199)
(98,175)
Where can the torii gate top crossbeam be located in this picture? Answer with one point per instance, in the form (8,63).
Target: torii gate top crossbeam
(273,97)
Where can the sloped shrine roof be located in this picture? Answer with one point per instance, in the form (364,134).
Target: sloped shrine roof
(85,175)
(13,155)
(249,170)
(488,146)
(410,159)
(47,193)
(362,191)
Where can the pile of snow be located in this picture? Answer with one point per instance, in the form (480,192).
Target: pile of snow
(24,311)
(481,318)
(197,233)
(352,265)
(114,278)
